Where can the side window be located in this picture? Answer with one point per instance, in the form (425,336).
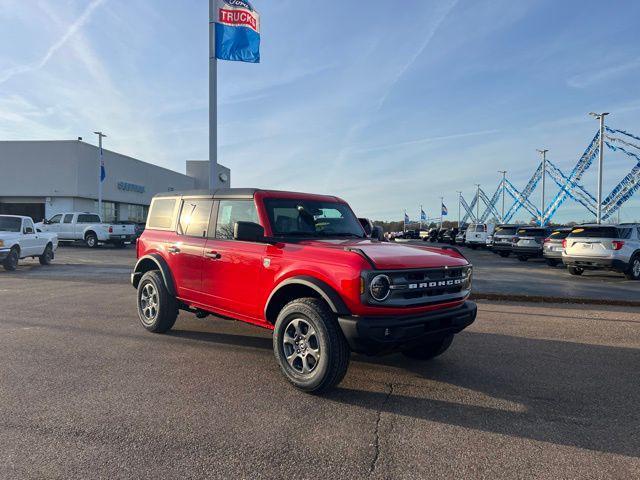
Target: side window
(232,211)
(161,213)
(28,224)
(56,218)
(88,218)
(68,218)
(194,218)
(625,233)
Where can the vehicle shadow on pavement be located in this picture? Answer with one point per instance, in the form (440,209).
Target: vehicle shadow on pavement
(571,394)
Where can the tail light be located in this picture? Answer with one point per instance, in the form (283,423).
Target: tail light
(547,240)
(564,243)
(110,229)
(617,244)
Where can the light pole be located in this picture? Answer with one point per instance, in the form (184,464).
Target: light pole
(544,182)
(504,178)
(478,203)
(213,99)
(600,116)
(459,203)
(100,165)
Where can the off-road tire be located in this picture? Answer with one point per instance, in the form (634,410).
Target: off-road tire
(552,262)
(575,270)
(634,268)
(157,308)
(429,350)
(47,255)
(333,349)
(11,262)
(91,240)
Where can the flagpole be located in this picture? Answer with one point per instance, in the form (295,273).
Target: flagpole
(100,162)
(441,205)
(420,218)
(213,99)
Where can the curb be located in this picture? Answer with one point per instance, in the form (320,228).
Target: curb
(546,299)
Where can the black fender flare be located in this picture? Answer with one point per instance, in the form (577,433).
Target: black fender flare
(161,265)
(326,292)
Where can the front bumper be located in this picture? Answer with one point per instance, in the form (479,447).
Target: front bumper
(4,253)
(596,263)
(380,335)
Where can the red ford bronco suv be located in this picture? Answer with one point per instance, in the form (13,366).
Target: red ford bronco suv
(302,266)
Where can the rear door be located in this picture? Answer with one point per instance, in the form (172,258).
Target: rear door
(232,269)
(187,252)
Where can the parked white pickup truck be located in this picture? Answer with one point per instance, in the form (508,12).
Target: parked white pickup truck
(19,239)
(87,227)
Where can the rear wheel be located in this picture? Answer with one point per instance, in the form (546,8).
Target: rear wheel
(522,258)
(429,350)
(504,254)
(47,255)
(157,308)
(575,270)
(552,262)
(11,262)
(91,240)
(634,268)
(309,345)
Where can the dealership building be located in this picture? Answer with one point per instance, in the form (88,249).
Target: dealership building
(43,178)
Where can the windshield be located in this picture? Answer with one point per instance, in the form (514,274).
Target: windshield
(311,218)
(10,224)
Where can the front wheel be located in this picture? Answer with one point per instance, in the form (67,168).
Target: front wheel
(309,345)
(47,255)
(575,270)
(552,262)
(11,262)
(157,309)
(634,269)
(429,350)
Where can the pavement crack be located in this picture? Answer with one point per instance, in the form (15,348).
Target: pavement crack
(376,432)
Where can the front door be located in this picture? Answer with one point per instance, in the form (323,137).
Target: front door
(29,242)
(232,269)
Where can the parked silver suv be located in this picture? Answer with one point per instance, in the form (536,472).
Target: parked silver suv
(603,247)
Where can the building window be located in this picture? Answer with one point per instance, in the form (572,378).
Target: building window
(109,212)
(136,213)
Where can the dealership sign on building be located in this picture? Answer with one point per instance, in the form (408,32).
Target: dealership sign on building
(237,31)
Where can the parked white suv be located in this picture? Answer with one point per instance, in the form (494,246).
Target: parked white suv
(88,227)
(20,239)
(479,235)
(603,247)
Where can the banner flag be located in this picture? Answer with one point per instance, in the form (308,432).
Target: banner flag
(103,171)
(423,216)
(237,31)
(406,219)
(445,211)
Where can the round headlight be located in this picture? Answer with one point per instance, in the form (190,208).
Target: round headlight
(380,287)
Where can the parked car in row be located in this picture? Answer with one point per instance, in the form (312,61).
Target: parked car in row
(503,239)
(449,236)
(478,234)
(461,235)
(552,247)
(19,239)
(528,242)
(603,247)
(88,227)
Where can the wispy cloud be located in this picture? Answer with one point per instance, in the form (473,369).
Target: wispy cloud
(72,30)
(596,76)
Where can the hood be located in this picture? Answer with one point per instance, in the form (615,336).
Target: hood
(396,256)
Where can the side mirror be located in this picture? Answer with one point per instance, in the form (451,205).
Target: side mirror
(378,233)
(248,232)
(28,230)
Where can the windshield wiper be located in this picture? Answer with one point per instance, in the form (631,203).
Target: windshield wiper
(340,234)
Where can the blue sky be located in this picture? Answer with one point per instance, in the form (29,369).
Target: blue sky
(389,106)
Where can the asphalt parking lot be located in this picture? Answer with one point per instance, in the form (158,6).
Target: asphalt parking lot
(529,391)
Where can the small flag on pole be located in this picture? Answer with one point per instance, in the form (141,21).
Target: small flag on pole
(423,215)
(237,31)
(406,218)
(103,171)
(445,211)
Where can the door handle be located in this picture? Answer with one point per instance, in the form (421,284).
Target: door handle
(213,255)
(173,250)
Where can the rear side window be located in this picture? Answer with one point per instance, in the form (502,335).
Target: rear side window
(88,218)
(594,232)
(68,218)
(232,211)
(161,213)
(194,217)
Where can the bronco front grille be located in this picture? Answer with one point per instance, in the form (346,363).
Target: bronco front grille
(414,288)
